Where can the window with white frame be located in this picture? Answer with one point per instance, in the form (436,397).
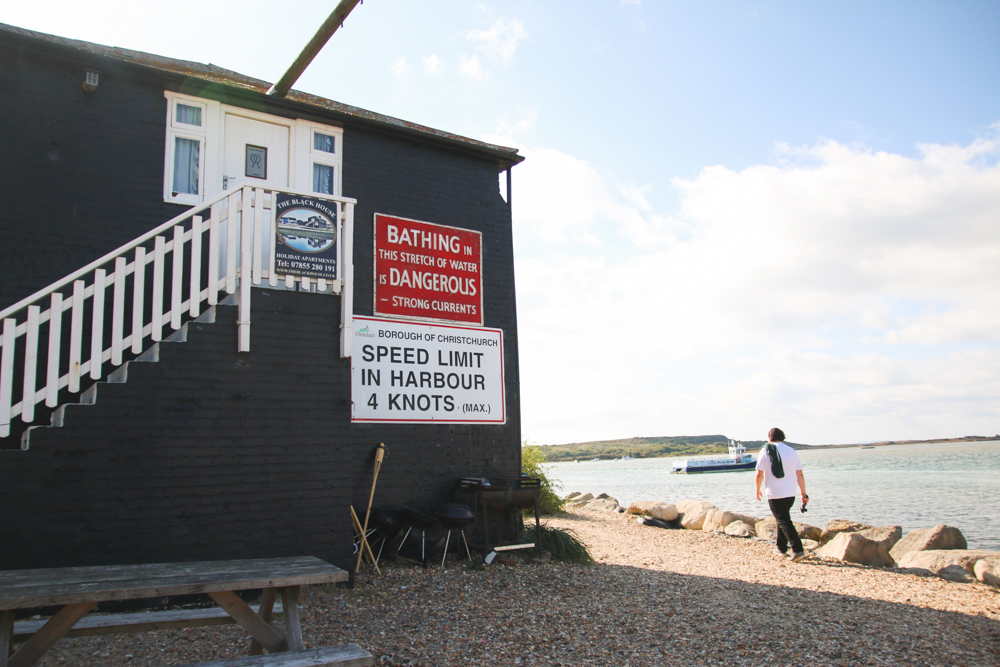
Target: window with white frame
(195,141)
(319,160)
(188,121)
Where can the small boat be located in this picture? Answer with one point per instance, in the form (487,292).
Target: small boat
(628,457)
(738,459)
(596,458)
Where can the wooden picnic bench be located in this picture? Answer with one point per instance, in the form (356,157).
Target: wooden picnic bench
(79,589)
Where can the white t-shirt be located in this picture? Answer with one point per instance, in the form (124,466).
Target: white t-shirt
(783,487)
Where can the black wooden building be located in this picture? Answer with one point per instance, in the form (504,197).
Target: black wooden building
(193,449)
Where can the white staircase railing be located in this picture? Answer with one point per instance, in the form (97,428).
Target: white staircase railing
(120,303)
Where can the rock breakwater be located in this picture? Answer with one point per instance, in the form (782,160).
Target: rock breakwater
(938,550)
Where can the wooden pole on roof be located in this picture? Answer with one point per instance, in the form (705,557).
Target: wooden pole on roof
(319,40)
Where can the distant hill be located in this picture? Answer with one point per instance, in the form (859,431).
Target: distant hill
(640,448)
(691,445)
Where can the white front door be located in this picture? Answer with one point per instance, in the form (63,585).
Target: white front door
(256,153)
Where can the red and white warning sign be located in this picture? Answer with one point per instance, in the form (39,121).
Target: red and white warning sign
(428,271)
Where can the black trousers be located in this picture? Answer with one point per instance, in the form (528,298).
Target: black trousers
(780,509)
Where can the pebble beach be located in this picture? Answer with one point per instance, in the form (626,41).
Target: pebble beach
(654,597)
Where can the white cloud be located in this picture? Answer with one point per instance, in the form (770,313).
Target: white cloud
(500,40)
(400,67)
(848,293)
(432,64)
(470,66)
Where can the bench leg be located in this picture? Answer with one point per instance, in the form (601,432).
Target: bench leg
(32,650)
(293,630)
(244,614)
(6,635)
(266,613)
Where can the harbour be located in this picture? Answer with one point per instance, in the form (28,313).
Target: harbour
(914,486)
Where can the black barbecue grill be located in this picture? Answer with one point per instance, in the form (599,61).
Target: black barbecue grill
(505,494)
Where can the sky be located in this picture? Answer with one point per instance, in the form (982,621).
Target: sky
(731,216)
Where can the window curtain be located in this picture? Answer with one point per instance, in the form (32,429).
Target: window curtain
(323,142)
(323,179)
(187,154)
(189,115)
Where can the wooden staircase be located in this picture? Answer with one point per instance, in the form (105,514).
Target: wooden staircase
(58,345)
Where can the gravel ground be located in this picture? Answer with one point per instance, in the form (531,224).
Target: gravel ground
(656,597)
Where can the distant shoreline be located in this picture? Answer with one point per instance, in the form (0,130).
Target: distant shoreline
(968,438)
(687,446)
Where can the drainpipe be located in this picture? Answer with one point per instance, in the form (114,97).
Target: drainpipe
(319,40)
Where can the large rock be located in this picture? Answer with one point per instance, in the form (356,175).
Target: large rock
(746,518)
(717,520)
(936,560)
(956,573)
(856,548)
(768,529)
(657,510)
(987,570)
(694,520)
(740,528)
(694,506)
(579,500)
(940,537)
(808,532)
(572,496)
(603,505)
(885,535)
(692,513)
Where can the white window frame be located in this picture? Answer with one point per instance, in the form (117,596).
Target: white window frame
(308,156)
(301,156)
(208,163)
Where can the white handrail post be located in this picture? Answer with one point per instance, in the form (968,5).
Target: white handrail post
(30,365)
(138,298)
(118,311)
(246,269)
(97,325)
(258,234)
(232,241)
(213,256)
(75,336)
(6,374)
(177,279)
(55,342)
(195,299)
(159,250)
(347,292)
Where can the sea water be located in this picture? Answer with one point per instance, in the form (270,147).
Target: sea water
(915,486)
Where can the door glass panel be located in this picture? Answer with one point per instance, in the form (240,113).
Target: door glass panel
(187,154)
(323,179)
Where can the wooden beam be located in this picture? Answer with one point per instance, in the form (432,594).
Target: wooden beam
(40,642)
(244,614)
(315,45)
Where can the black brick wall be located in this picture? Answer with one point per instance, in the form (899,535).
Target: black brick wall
(209,453)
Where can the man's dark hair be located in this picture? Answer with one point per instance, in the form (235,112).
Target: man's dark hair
(776,435)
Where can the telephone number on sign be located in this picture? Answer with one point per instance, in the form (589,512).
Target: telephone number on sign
(305,266)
